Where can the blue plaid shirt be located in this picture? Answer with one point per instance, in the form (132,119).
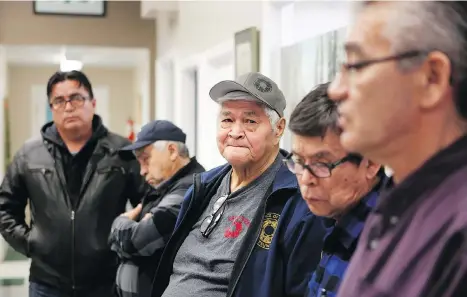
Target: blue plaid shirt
(339,245)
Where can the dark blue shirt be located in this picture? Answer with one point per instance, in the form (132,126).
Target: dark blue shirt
(339,245)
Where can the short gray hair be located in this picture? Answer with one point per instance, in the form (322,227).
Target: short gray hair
(431,26)
(428,26)
(181,147)
(273,116)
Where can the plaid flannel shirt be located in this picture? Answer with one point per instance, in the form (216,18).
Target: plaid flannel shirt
(339,245)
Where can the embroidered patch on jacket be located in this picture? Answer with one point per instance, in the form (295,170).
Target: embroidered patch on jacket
(268,229)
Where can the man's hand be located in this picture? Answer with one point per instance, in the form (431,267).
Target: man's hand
(134,213)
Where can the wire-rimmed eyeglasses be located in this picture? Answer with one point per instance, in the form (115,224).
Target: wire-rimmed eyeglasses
(317,169)
(211,221)
(400,56)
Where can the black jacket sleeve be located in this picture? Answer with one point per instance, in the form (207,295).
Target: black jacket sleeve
(129,238)
(13,201)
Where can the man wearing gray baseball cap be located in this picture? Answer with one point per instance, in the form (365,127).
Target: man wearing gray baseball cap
(251,86)
(225,242)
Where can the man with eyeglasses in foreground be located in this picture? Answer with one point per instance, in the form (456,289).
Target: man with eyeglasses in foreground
(402,99)
(77,183)
(339,186)
(243,229)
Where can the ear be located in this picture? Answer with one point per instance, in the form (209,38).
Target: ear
(280,128)
(371,168)
(93,102)
(436,72)
(173,151)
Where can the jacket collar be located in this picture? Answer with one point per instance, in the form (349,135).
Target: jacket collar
(50,133)
(190,168)
(398,198)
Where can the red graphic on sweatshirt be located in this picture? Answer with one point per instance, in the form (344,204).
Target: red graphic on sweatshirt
(237,226)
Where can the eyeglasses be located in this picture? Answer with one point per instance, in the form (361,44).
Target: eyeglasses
(365,63)
(317,169)
(76,100)
(211,221)
(354,67)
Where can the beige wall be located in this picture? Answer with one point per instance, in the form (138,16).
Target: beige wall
(137,103)
(121,27)
(21,78)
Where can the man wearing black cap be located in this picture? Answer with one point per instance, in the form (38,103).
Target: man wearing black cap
(244,229)
(165,163)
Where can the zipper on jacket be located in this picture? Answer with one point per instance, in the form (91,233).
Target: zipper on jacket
(196,186)
(61,178)
(73,251)
(175,242)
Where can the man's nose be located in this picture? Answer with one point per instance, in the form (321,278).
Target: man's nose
(338,90)
(307,178)
(143,171)
(69,106)
(237,131)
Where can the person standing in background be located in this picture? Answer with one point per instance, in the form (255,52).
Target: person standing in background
(77,183)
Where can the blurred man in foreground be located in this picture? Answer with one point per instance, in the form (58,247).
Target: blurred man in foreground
(402,103)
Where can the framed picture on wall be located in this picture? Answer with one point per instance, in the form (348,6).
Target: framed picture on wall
(246,51)
(95,8)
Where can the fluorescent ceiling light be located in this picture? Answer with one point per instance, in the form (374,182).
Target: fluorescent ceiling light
(69,65)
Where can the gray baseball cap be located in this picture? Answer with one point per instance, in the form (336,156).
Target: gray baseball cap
(251,86)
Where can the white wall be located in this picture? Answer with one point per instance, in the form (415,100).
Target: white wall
(305,19)
(141,110)
(204,24)
(3,94)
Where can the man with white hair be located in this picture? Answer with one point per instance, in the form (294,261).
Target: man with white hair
(243,229)
(166,165)
(402,103)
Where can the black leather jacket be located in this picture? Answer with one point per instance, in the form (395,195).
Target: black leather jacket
(67,241)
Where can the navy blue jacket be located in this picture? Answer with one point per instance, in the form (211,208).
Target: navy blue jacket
(280,266)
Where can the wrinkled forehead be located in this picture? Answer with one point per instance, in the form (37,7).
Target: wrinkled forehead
(368,32)
(241,107)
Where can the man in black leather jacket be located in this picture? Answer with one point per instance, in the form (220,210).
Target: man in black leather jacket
(77,183)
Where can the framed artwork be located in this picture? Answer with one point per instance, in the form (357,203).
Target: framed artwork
(246,51)
(94,8)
